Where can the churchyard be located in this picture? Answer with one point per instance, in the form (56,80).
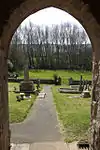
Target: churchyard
(73,110)
(18,110)
(64,74)
(74,114)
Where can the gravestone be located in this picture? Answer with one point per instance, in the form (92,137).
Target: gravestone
(86,85)
(81,84)
(26,86)
(85,94)
(38,85)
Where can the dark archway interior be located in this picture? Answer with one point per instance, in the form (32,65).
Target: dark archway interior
(11,5)
(11,18)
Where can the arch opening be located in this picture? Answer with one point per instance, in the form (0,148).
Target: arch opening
(65,44)
(85,15)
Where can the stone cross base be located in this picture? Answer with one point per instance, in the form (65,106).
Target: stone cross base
(27,86)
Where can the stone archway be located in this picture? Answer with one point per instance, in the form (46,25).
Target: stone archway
(82,13)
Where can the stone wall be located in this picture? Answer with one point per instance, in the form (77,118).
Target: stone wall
(16,15)
(42,81)
(4,122)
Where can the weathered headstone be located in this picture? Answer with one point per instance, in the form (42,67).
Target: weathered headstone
(85,94)
(81,82)
(70,80)
(38,84)
(59,80)
(26,86)
(86,83)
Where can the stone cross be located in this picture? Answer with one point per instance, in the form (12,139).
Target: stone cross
(26,73)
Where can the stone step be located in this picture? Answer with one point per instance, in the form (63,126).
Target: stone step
(46,146)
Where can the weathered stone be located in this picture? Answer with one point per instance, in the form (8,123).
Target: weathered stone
(4,120)
(86,94)
(26,86)
(87,12)
(26,74)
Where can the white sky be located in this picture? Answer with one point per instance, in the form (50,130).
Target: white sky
(50,16)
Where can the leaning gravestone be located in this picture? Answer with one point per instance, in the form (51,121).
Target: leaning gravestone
(26,86)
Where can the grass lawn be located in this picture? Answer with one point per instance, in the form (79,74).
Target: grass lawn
(64,74)
(18,110)
(11,86)
(74,114)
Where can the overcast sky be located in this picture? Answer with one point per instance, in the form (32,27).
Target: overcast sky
(50,16)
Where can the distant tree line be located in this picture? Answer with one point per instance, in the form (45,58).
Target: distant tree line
(63,46)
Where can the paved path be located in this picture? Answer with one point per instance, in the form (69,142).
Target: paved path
(41,125)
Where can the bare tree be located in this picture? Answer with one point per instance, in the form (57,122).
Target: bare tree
(60,46)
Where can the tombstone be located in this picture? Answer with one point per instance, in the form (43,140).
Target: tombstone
(59,80)
(55,79)
(38,85)
(88,87)
(81,82)
(18,98)
(70,80)
(26,86)
(86,83)
(85,94)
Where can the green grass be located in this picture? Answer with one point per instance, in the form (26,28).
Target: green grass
(74,114)
(18,110)
(11,86)
(64,74)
